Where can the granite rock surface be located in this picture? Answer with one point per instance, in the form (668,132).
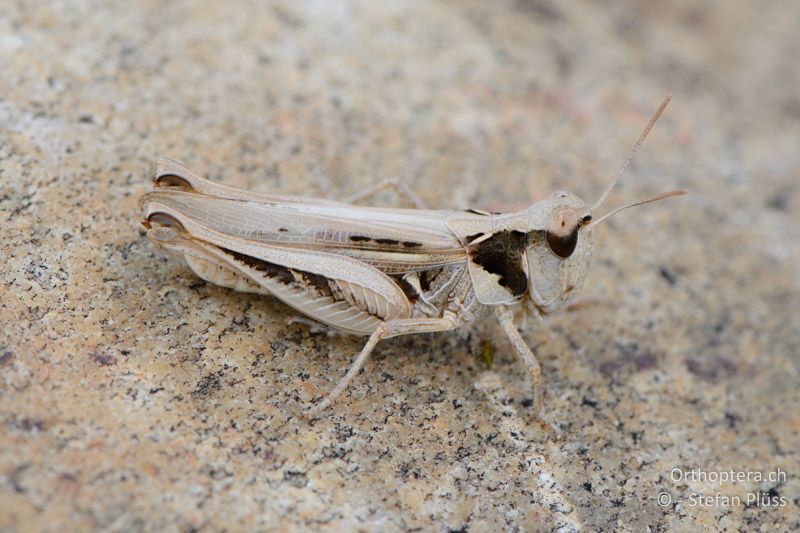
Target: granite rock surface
(134,396)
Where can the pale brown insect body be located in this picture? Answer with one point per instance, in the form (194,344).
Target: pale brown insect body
(379,272)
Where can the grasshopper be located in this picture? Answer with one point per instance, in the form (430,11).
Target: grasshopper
(382,272)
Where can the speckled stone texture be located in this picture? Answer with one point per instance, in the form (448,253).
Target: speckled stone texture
(136,397)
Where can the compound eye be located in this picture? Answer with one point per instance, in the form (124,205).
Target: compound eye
(562,235)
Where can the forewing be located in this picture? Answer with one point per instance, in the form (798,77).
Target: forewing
(393,240)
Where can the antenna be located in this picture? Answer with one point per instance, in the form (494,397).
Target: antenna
(662,196)
(642,137)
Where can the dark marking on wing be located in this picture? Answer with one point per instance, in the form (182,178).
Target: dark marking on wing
(321,283)
(408,289)
(281,273)
(286,276)
(470,238)
(501,254)
(427,277)
(477,212)
(283,230)
(385,241)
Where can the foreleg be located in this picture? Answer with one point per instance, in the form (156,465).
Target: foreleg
(506,318)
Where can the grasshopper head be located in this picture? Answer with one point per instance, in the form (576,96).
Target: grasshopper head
(560,243)
(559,250)
(561,237)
